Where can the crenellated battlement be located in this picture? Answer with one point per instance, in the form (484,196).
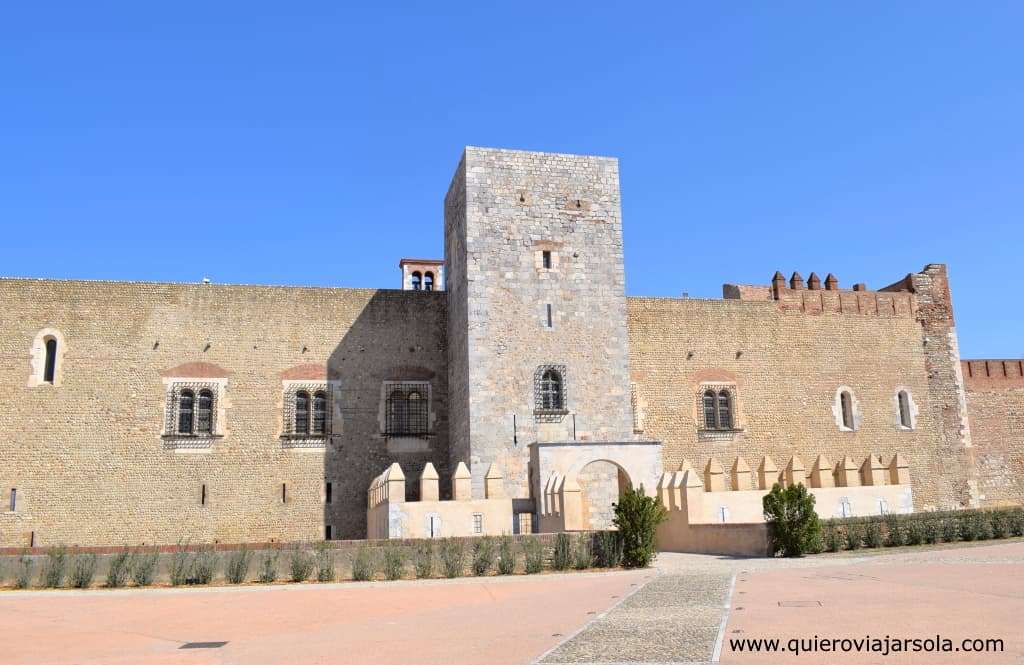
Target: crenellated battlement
(818,297)
(993,374)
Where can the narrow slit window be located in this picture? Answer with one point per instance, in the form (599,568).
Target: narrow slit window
(904,402)
(50,365)
(14,499)
(328,532)
(284,493)
(846,404)
(550,322)
(202,496)
(546,259)
(329,493)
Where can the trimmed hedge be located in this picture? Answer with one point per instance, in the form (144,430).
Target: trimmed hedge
(917,528)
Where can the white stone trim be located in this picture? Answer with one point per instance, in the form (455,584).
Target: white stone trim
(837,409)
(912,408)
(37,355)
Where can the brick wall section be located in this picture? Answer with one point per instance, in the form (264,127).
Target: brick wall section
(995,403)
(511,207)
(787,366)
(87,458)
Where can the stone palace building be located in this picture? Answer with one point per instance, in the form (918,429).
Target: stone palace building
(151,413)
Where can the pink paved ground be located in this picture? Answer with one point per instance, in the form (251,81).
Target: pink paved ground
(489,621)
(980,598)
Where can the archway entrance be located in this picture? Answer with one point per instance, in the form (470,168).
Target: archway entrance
(601,484)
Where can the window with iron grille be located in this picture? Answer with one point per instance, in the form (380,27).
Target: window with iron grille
(306,413)
(717,409)
(407,409)
(549,388)
(191,410)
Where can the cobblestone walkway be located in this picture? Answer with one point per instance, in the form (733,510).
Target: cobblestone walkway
(674,617)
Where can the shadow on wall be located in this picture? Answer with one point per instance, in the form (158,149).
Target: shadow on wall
(397,345)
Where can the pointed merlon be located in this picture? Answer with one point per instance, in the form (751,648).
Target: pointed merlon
(813,283)
(831,283)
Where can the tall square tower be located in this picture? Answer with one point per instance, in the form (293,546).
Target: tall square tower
(538,348)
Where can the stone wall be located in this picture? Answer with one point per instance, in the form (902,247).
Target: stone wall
(503,211)
(787,366)
(995,404)
(86,455)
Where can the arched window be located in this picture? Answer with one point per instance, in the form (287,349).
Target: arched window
(186,401)
(904,403)
(724,410)
(398,413)
(204,412)
(50,364)
(551,390)
(710,412)
(846,404)
(417,281)
(302,412)
(717,408)
(320,413)
(428,281)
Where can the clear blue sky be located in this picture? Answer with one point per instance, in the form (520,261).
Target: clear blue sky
(312,143)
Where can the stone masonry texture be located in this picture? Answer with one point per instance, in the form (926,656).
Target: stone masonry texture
(86,460)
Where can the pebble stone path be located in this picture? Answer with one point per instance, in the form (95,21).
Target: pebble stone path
(674,617)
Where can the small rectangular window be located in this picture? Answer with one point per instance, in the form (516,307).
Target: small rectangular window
(14,499)
(328,535)
(328,493)
(478,523)
(549,323)
(546,258)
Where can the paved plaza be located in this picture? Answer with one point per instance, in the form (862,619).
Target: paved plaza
(685,610)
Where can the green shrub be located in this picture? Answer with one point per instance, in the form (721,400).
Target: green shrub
(3,571)
(144,566)
(984,525)
(119,570)
(506,556)
(637,517)
(854,537)
(83,568)
(236,568)
(930,532)
(55,568)
(950,530)
(1016,522)
(267,569)
(300,564)
(483,555)
(608,546)
(561,558)
(364,564)
(999,524)
(968,528)
(583,553)
(914,532)
(394,562)
(23,577)
(793,527)
(453,557)
(182,565)
(324,555)
(423,559)
(872,534)
(894,532)
(832,540)
(205,567)
(533,555)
